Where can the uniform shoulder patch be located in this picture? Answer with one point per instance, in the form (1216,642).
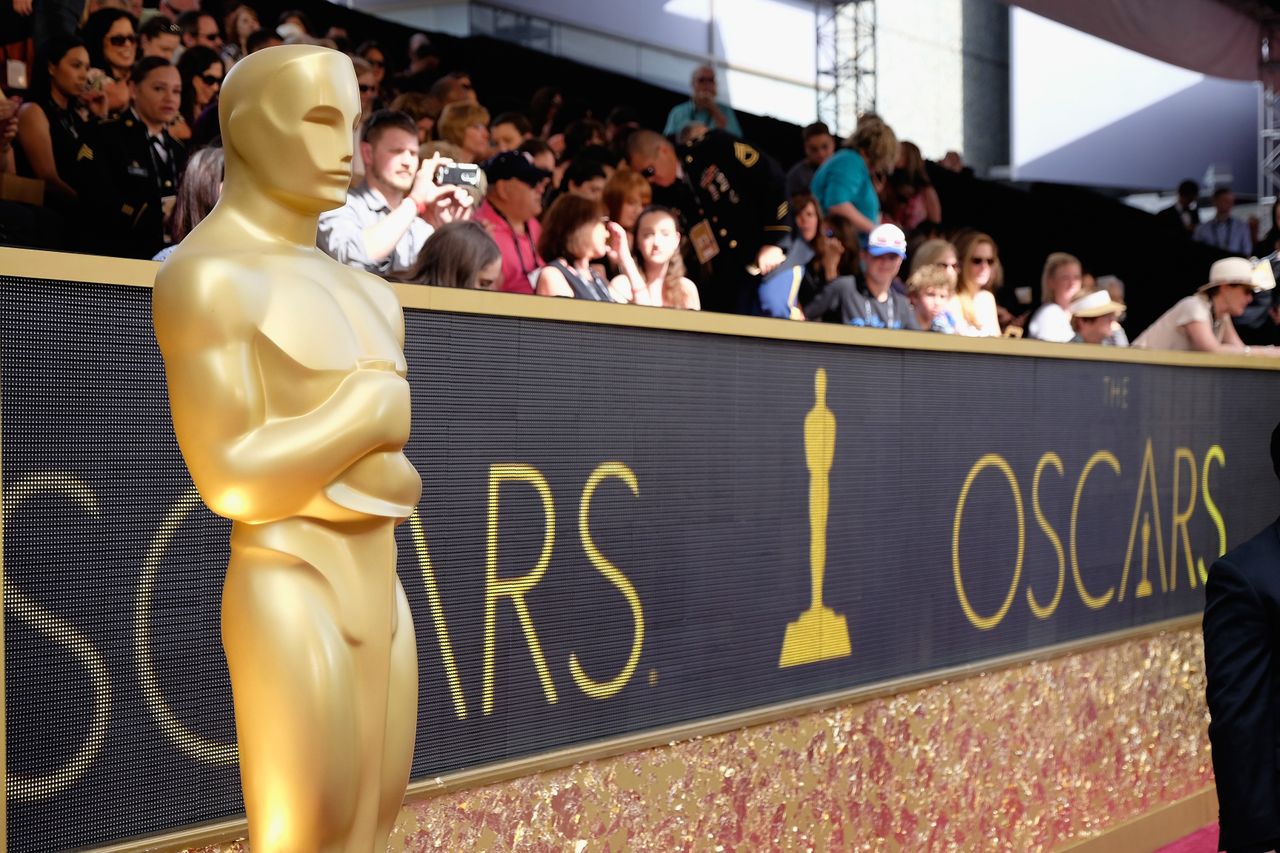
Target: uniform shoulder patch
(746,155)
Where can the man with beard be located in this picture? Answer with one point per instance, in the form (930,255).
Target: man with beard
(387,218)
(146,163)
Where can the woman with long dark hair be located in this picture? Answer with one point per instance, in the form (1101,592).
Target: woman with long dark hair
(111,36)
(201,70)
(197,194)
(54,125)
(459,254)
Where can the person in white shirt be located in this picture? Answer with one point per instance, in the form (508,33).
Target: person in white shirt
(391,213)
(1059,284)
(1202,321)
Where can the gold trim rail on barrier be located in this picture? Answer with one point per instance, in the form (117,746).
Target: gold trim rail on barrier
(28,263)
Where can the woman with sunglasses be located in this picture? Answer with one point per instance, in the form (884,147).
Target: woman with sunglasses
(56,125)
(979,275)
(576,230)
(201,70)
(111,35)
(937,253)
(372,53)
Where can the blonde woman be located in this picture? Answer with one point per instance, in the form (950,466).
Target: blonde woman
(847,185)
(979,274)
(1059,285)
(937,253)
(466,125)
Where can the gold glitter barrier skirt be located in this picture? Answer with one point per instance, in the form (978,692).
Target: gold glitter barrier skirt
(1066,752)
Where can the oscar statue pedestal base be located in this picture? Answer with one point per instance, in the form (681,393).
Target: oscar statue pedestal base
(819,634)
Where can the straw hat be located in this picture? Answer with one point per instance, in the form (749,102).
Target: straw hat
(1095,304)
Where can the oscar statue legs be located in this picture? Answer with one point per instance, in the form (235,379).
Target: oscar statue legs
(322,655)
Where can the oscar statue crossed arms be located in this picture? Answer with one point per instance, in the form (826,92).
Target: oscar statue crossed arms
(287,385)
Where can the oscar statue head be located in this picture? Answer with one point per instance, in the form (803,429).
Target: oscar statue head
(288,117)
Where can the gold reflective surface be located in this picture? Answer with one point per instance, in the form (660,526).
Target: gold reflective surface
(1033,757)
(286,378)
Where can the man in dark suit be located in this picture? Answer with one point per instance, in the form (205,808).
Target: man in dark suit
(1242,662)
(1184,215)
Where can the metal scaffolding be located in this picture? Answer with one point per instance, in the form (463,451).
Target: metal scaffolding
(846,72)
(1269,146)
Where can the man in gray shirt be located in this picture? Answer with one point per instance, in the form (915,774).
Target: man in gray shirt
(388,218)
(1224,230)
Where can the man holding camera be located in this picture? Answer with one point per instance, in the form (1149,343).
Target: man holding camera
(389,216)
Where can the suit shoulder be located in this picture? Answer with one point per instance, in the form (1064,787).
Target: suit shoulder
(1257,555)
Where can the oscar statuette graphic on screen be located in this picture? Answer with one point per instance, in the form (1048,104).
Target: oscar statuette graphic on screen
(286,378)
(820,633)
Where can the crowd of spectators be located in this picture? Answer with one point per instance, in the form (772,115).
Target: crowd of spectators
(119,123)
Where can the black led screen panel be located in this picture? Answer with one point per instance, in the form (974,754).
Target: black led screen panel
(979,505)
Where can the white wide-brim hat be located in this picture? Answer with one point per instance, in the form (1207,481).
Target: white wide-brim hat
(1257,275)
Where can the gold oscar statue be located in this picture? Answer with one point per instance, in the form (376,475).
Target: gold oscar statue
(820,633)
(286,375)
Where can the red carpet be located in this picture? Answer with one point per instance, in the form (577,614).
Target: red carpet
(1201,841)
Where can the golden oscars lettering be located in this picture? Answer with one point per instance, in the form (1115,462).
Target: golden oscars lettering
(753,523)
(1190,477)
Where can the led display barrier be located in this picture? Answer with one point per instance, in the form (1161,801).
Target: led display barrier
(621,529)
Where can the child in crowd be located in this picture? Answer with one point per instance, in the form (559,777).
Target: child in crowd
(930,290)
(459,254)
(661,267)
(1093,316)
(1115,287)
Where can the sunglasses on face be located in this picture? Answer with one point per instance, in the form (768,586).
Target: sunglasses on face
(704,79)
(210,80)
(365,88)
(121,41)
(648,172)
(376,63)
(982,262)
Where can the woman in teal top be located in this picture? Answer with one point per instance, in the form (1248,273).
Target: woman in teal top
(844,185)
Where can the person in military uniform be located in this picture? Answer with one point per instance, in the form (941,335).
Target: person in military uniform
(146,162)
(733,199)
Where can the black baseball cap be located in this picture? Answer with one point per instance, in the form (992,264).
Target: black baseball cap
(514,164)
